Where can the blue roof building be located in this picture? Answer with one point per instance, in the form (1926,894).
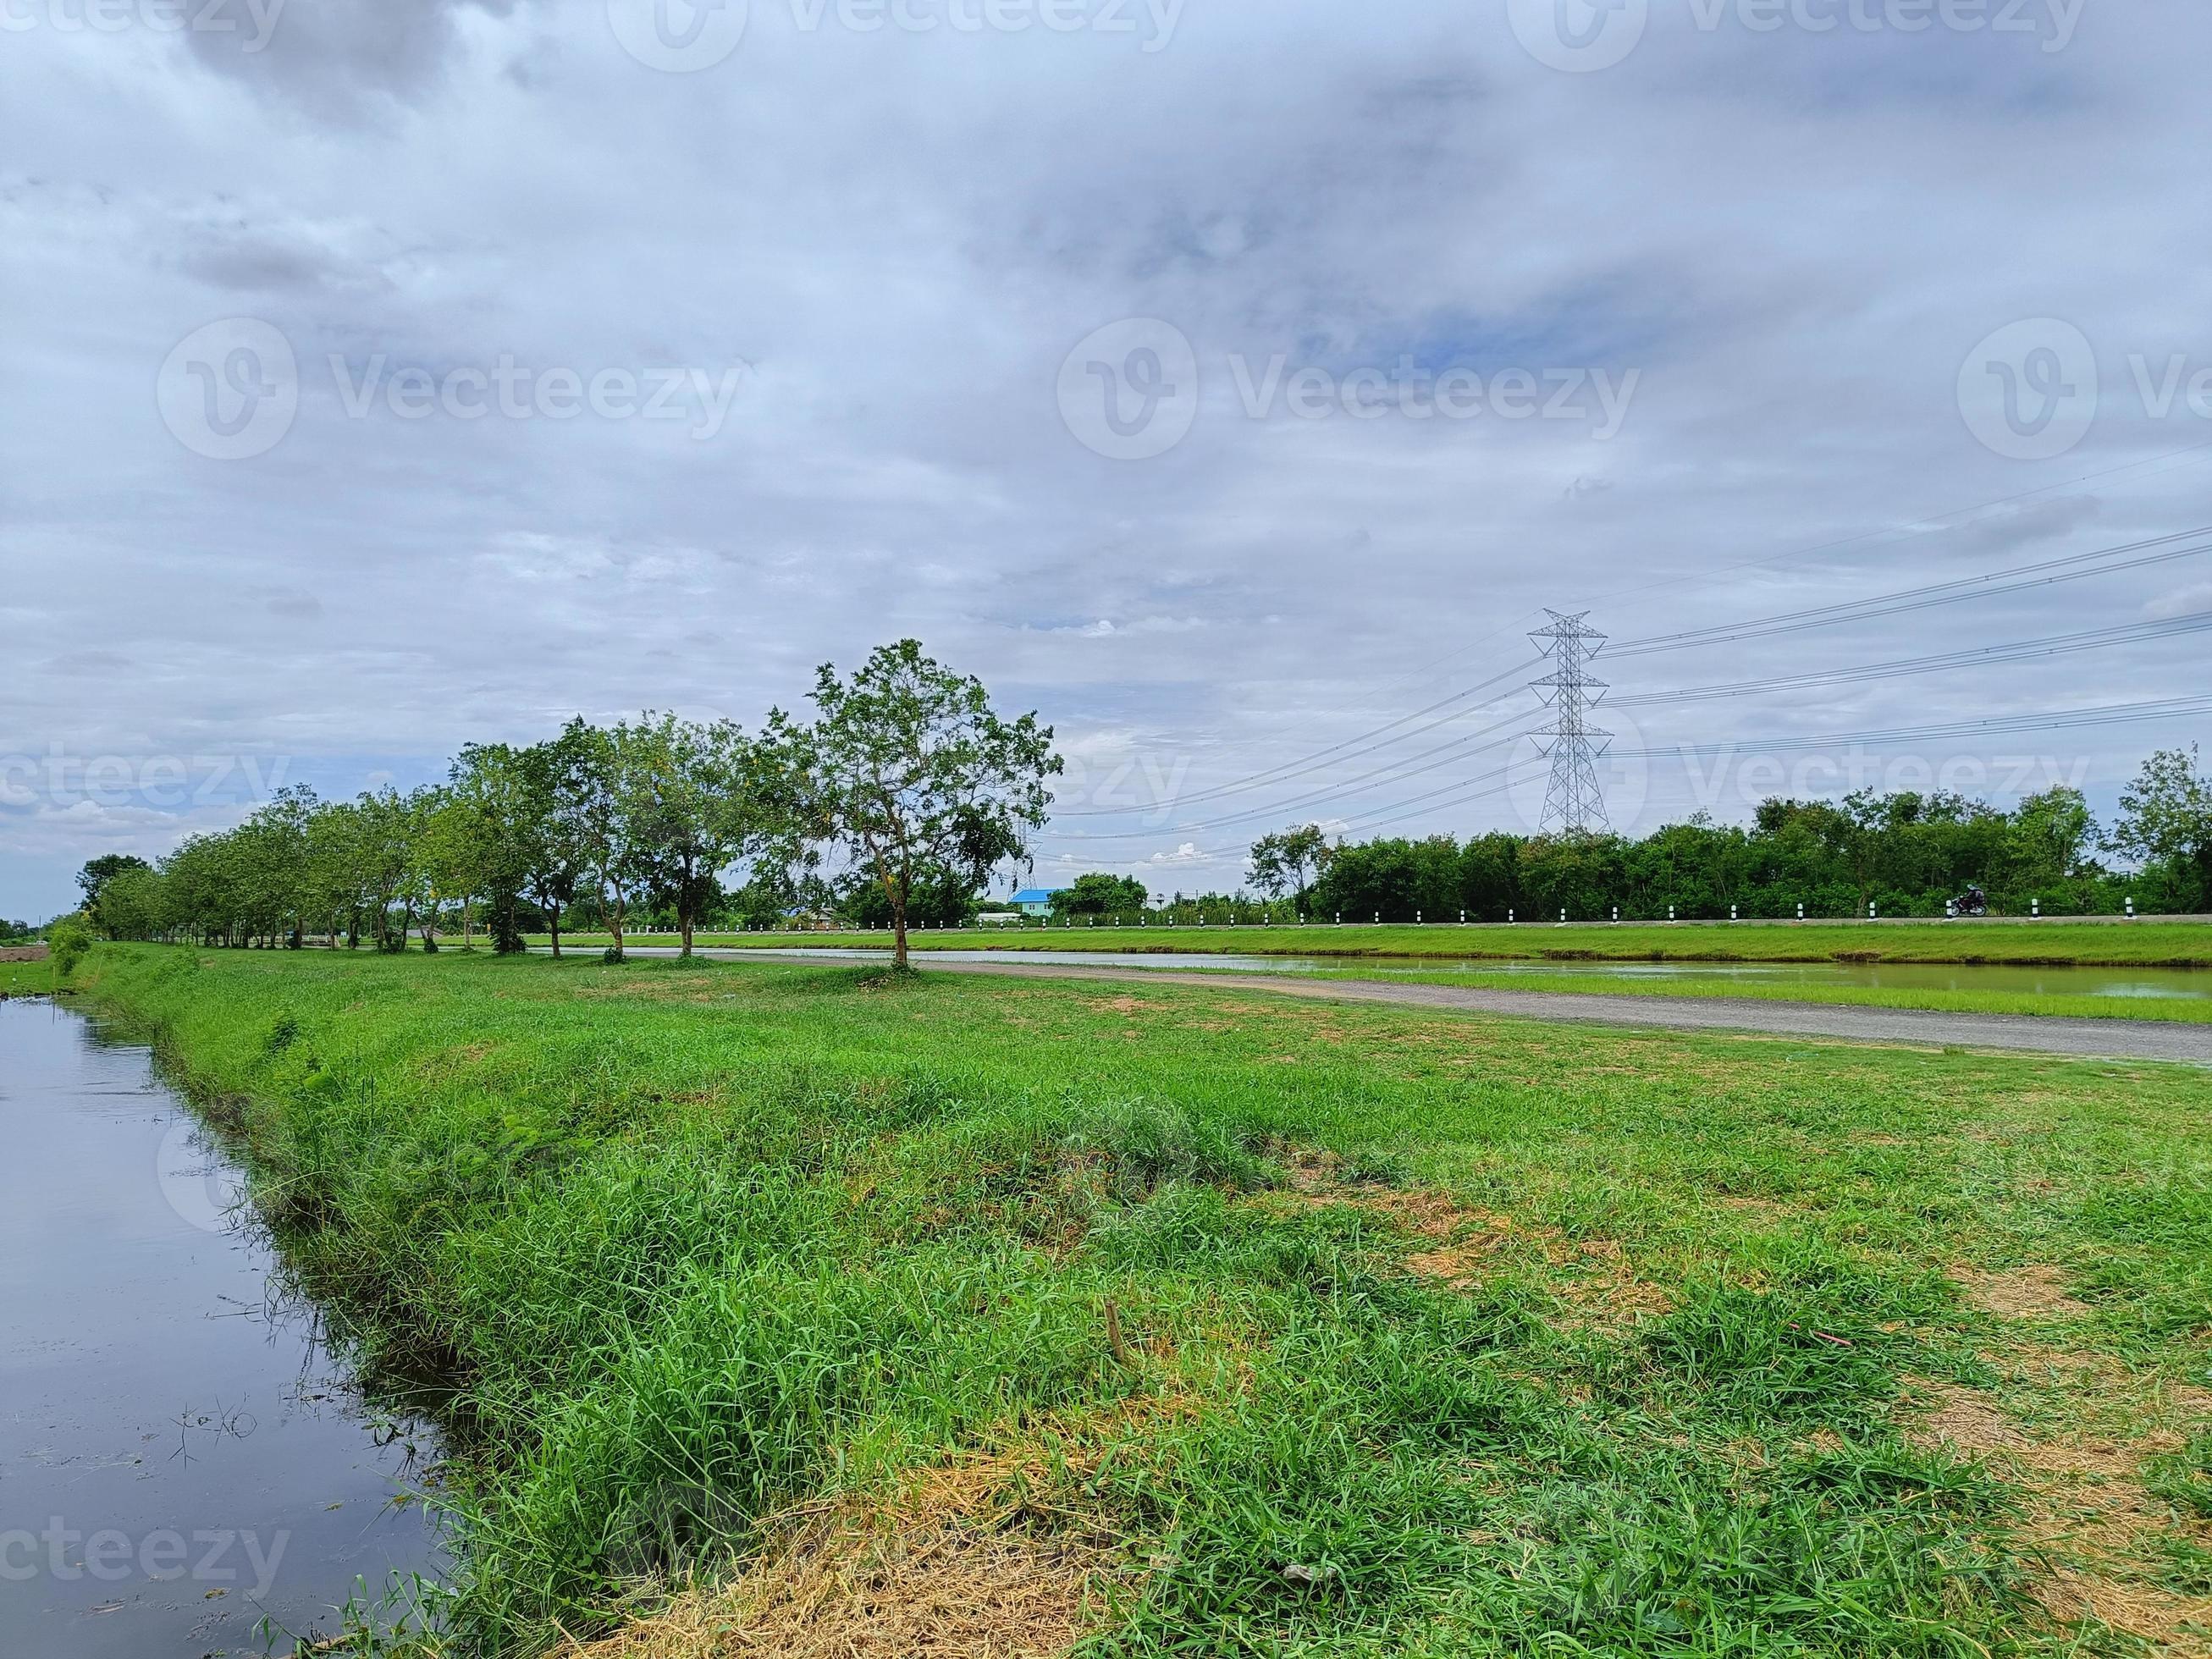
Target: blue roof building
(1037,901)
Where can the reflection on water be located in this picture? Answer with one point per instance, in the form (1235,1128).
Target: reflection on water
(179,1454)
(2140,982)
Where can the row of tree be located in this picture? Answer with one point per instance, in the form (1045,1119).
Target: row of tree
(894,805)
(906,782)
(1904,854)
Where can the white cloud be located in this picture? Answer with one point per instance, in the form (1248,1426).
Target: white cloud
(903,236)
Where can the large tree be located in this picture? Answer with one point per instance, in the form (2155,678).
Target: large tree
(2166,818)
(500,811)
(1288,859)
(700,806)
(606,805)
(908,772)
(560,856)
(98,873)
(1100,895)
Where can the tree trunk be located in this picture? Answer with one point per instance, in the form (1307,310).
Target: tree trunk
(898,935)
(553,925)
(615,915)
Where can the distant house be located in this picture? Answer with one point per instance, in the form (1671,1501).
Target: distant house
(1037,901)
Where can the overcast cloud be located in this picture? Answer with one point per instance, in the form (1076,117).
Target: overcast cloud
(569,359)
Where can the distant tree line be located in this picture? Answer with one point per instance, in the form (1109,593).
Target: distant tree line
(905,787)
(1906,853)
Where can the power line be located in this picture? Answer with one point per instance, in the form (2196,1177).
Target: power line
(2015,579)
(2048,721)
(2093,639)
(2197,451)
(1314,762)
(1458,749)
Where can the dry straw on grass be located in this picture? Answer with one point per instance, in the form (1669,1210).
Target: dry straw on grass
(2086,1511)
(968,1560)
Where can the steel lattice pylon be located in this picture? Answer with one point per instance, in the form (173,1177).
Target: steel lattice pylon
(1574,805)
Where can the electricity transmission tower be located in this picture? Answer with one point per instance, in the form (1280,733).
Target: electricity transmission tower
(1574,805)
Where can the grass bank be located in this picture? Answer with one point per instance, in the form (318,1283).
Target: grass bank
(2046,943)
(790,1306)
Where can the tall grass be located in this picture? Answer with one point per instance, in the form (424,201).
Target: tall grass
(691,1245)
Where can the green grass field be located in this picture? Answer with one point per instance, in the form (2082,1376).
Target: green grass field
(784,1303)
(21,978)
(1352,953)
(2139,944)
(2187,1011)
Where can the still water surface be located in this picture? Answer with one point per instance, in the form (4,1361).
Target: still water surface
(179,1453)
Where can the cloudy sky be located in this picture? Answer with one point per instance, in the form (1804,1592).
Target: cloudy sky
(1226,379)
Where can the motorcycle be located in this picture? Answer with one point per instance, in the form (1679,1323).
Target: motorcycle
(1973,902)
